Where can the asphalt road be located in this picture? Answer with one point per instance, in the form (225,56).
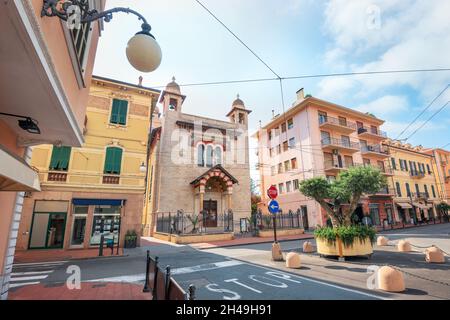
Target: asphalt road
(246,272)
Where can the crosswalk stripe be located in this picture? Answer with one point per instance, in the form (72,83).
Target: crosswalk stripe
(28,278)
(14,285)
(39,263)
(30,273)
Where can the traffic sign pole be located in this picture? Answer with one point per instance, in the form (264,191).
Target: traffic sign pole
(275,228)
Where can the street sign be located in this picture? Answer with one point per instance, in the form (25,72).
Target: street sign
(274,207)
(272,192)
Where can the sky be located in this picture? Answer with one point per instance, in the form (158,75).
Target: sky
(296,37)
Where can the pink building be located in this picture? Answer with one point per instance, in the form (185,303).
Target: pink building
(319,138)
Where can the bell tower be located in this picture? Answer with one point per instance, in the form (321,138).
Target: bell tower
(239,114)
(171,98)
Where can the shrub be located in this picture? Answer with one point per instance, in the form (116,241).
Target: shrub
(347,234)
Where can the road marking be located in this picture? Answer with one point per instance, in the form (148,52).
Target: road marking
(28,278)
(208,266)
(30,273)
(15,285)
(49,263)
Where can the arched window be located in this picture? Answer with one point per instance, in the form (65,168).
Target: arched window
(201,155)
(399,191)
(209,156)
(217,156)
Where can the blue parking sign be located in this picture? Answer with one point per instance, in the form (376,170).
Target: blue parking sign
(274,207)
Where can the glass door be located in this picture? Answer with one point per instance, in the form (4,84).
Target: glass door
(47,231)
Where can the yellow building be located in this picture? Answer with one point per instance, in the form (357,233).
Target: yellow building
(98,188)
(414,181)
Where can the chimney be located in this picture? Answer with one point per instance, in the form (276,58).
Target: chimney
(140,81)
(300,94)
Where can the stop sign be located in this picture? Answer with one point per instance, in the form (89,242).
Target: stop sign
(272,192)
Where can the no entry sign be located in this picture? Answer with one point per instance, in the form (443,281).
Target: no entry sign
(272,192)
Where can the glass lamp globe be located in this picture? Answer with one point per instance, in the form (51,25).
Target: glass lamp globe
(143,52)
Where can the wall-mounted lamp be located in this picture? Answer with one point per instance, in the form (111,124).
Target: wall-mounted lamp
(143,52)
(142,167)
(26,123)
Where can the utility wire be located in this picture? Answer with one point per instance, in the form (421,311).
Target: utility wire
(428,120)
(237,38)
(423,111)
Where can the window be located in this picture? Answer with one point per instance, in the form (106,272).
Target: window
(342,121)
(288,186)
(394,164)
(60,158)
(366,162)
(405,164)
(399,190)
(201,155)
(290,123)
(426,191)
(281,188)
(433,191)
(106,221)
(209,156)
(283,127)
(359,125)
(296,184)
(279,149)
(294,163)
(287,166)
(402,165)
(280,168)
(428,169)
(417,189)
(374,213)
(363,145)
(322,117)
(285,146)
(276,131)
(173,103)
(217,156)
(345,141)
(408,190)
(78,225)
(270,135)
(273,170)
(374,129)
(292,143)
(119,112)
(113,160)
(325,136)
(348,161)
(270,152)
(80,37)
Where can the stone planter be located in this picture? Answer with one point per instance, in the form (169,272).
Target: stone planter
(358,248)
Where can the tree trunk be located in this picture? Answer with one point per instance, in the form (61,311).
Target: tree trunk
(334,216)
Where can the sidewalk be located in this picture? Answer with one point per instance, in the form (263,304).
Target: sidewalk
(252,240)
(88,291)
(30,256)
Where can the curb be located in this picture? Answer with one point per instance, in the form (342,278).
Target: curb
(76,259)
(262,242)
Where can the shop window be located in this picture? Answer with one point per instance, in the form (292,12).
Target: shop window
(60,158)
(106,221)
(119,112)
(374,214)
(113,160)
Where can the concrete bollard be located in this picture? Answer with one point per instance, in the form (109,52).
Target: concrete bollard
(308,247)
(390,280)
(434,255)
(404,246)
(277,254)
(382,241)
(293,260)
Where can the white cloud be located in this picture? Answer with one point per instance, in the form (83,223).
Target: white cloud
(394,128)
(386,105)
(411,35)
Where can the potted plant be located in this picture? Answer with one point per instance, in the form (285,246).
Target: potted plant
(339,199)
(194,219)
(130,239)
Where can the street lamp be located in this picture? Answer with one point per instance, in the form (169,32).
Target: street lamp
(143,52)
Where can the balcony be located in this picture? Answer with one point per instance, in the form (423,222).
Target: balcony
(384,192)
(372,133)
(330,144)
(111,179)
(416,174)
(376,151)
(333,168)
(57,176)
(421,195)
(336,124)
(386,171)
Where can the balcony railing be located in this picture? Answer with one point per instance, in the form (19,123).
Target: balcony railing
(375,148)
(421,195)
(340,143)
(386,191)
(57,176)
(377,132)
(337,122)
(111,179)
(417,174)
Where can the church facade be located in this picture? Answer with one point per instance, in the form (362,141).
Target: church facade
(197,166)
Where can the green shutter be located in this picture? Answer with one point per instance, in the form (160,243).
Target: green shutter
(60,158)
(119,112)
(113,160)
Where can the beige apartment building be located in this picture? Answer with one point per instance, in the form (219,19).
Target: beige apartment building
(441,169)
(319,138)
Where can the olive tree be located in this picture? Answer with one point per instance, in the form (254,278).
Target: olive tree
(339,198)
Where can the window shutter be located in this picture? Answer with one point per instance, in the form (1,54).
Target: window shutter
(117,160)
(108,160)
(55,158)
(64,158)
(115,111)
(122,114)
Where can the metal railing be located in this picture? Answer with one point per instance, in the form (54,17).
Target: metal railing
(289,220)
(340,143)
(338,122)
(421,195)
(375,148)
(386,191)
(161,284)
(374,131)
(416,174)
(183,223)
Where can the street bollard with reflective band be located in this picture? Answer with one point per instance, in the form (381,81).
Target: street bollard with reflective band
(100,248)
(147,271)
